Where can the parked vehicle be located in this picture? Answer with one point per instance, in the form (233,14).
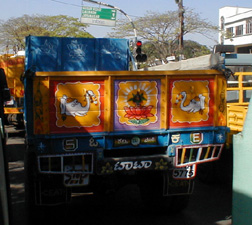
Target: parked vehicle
(13,65)
(5,197)
(92,125)
(239,89)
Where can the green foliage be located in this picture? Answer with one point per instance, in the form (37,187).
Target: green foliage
(193,49)
(14,30)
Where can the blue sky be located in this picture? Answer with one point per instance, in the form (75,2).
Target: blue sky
(207,9)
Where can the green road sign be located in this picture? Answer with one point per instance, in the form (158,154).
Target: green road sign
(98,13)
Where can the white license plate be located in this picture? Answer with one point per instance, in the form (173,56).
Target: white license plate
(76,179)
(186,172)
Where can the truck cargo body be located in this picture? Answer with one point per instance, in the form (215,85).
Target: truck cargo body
(89,129)
(100,123)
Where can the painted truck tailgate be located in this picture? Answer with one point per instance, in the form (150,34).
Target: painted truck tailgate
(126,101)
(105,112)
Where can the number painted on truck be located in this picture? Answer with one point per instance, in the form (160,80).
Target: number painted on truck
(187,172)
(70,144)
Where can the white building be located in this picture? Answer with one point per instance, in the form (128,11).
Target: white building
(236,28)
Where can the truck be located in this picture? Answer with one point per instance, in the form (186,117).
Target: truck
(13,66)
(93,125)
(239,89)
(5,197)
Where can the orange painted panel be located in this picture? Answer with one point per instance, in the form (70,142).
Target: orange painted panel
(192,103)
(76,106)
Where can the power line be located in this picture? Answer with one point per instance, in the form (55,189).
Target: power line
(65,3)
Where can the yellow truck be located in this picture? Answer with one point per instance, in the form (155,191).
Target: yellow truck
(239,90)
(13,66)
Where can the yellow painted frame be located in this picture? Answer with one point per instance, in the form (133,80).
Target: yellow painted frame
(109,77)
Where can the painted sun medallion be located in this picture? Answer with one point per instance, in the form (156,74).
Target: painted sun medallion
(137,103)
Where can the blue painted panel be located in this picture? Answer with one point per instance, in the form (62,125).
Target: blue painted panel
(113,54)
(133,140)
(76,54)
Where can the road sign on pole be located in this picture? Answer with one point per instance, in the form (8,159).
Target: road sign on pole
(98,16)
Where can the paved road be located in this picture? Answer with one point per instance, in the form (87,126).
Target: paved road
(208,204)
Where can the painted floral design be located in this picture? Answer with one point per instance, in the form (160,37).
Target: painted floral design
(138,114)
(161,165)
(107,169)
(137,103)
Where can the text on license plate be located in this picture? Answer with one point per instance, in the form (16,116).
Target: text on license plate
(76,179)
(186,172)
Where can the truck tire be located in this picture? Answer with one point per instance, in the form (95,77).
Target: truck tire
(34,213)
(29,187)
(207,174)
(54,206)
(153,199)
(165,204)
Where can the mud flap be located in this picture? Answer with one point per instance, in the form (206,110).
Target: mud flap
(176,187)
(161,193)
(51,191)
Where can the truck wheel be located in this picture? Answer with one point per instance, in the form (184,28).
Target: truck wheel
(35,214)
(39,214)
(206,173)
(179,203)
(153,199)
(165,204)
(20,121)
(32,211)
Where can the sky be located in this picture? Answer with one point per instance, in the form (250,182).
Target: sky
(207,9)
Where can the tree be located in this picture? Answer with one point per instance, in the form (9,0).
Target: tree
(161,30)
(14,30)
(191,49)
(194,49)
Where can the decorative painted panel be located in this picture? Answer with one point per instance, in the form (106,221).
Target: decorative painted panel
(40,101)
(76,106)
(77,54)
(221,103)
(137,104)
(191,103)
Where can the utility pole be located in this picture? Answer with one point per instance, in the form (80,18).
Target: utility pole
(181,19)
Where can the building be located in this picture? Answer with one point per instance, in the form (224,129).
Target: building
(236,28)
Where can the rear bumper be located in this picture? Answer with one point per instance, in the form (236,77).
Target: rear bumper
(89,162)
